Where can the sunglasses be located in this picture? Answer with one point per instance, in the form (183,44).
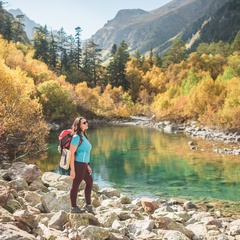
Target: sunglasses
(85,122)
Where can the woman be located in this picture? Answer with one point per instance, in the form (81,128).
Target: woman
(80,149)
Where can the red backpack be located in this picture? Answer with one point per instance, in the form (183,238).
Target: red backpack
(65,138)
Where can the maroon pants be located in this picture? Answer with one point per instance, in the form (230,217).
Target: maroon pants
(81,174)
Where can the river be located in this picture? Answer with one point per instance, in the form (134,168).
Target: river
(146,162)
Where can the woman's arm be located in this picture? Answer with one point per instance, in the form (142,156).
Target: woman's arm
(72,149)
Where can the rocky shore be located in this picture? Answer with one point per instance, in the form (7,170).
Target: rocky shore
(35,205)
(229,140)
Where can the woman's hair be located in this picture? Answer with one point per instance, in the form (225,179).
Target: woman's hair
(76,127)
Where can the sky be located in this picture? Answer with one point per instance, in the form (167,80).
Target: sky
(89,15)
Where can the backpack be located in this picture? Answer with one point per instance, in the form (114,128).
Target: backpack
(65,138)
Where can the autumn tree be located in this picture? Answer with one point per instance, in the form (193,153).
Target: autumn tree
(22,127)
(56,100)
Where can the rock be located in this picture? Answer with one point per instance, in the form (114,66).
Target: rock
(22,170)
(18,184)
(189,205)
(169,224)
(110,192)
(58,220)
(149,205)
(45,214)
(137,227)
(94,232)
(4,194)
(175,235)
(9,231)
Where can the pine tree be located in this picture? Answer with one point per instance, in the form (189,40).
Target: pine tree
(176,54)
(8,30)
(236,43)
(116,70)
(41,44)
(53,52)
(92,63)
(78,47)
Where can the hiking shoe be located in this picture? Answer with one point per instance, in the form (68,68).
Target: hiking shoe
(89,209)
(76,210)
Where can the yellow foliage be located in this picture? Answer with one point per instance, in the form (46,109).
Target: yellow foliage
(229,114)
(22,126)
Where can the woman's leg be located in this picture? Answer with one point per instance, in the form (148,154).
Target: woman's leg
(88,187)
(81,171)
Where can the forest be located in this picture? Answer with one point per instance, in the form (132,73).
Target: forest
(57,78)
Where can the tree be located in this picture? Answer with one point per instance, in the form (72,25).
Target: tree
(176,54)
(78,48)
(41,44)
(22,127)
(62,44)
(117,66)
(8,30)
(236,43)
(52,52)
(92,63)
(56,100)
(19,28)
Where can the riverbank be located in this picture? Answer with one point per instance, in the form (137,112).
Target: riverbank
(226,142)
(35,205)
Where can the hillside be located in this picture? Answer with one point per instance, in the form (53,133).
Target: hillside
(144,30)
(29,24)
(223,25)
(12,29)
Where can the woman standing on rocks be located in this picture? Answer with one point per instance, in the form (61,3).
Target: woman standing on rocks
(80,149)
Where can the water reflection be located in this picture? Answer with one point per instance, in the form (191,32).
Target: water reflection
(145,162)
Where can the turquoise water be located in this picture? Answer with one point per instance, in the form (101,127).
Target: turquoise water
(145,162)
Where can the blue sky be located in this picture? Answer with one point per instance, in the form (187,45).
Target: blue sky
(90,15)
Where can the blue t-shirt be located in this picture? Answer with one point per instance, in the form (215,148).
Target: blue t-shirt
(83,151)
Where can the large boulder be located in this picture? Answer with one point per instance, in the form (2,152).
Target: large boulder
(29,172)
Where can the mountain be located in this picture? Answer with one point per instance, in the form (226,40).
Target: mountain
(155,29)
(30,25)
(223,25)
(10,29)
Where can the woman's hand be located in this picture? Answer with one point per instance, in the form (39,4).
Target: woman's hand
(72,173)
(89,170)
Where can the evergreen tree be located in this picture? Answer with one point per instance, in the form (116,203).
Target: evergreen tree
(158,60)
(62,44)
(117,67)
(19,28)
(92,63)
(53,52)
(236,43)
(150,60)
(78,47)
(41,44)
(176,54)
(8,30)
(1,17)
(71,53)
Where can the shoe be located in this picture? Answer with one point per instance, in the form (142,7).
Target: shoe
(89,209)
(76,210)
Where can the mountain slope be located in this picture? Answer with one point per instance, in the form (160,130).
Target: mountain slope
(223,25)
(145,30)
(30,25)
